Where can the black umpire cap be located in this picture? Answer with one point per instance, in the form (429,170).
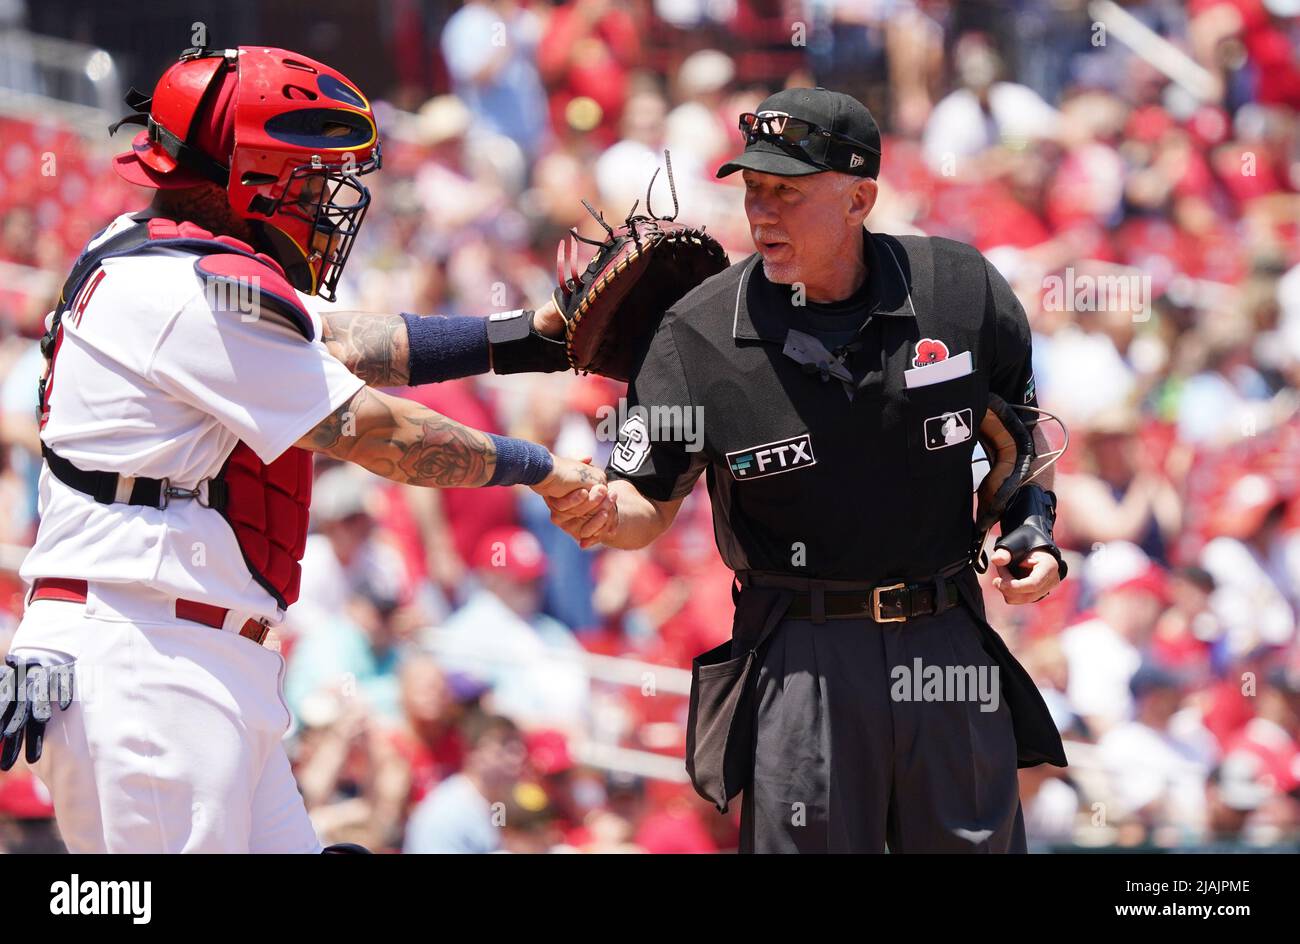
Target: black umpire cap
(806,131)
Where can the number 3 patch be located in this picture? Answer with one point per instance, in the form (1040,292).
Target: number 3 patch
(633,445)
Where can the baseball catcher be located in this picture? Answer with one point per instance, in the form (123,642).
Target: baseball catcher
(186,390)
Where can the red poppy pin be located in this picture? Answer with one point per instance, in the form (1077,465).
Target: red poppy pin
(929,351)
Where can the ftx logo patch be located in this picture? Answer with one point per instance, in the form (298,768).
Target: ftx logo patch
(772,458)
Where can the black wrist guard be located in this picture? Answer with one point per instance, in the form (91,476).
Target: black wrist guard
(517,348)
(1027,525)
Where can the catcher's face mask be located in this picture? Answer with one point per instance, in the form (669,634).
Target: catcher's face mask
(1011,453)
(319,213)
(298,166)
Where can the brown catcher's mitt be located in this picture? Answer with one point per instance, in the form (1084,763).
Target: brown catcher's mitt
(640,270)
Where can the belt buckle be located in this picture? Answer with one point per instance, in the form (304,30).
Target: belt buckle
(263,629)
(875,604)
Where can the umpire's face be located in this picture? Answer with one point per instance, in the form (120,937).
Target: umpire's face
(808,228)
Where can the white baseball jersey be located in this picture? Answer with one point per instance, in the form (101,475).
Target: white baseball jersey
(152,380)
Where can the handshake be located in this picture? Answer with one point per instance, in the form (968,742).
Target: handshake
(580,500)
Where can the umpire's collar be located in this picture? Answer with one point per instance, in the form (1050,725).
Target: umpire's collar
(764,311)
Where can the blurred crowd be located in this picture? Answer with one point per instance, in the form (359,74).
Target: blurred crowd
(464,678)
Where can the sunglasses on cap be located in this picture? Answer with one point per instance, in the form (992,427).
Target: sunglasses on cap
(820,145)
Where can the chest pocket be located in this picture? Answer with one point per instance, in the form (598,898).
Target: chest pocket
(942,423)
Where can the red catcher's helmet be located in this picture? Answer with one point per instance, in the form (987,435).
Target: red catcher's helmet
(287,137)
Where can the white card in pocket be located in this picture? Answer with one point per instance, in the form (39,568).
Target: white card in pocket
(947,369)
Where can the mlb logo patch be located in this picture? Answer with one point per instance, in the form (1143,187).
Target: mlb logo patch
(948,429)
(771,458)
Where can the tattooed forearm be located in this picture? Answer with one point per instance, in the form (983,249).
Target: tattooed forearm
(443,452)
(404,441)
(375,347)
(329,434)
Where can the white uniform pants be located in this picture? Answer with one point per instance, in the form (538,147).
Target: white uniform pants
(173,741)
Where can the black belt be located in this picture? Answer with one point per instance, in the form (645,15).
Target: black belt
(882,603)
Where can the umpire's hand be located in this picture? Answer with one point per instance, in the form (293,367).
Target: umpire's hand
(585,519)
(1042,575)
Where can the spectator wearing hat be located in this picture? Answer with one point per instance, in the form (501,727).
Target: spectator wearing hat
(357,651)
(624,168)
(353,782)
(1105,650)
(553,768)
(1228,397)
(585,59)
(1254,795)
(1272,737)
(530,823)
(465,813)
(1246,559)
(454,189)
(983,112)
(345,552)
(1119,494)
(699,124)
(501,636)
(1157,761)
(1188,627)
(1087,370)
(429,737)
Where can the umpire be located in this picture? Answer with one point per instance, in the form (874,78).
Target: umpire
(839,377)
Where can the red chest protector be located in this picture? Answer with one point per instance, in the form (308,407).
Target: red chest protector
(265,504)
(267,509)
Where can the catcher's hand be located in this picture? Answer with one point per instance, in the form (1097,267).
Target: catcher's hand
(29,688)
(571,478)
(640,270)
(549,322)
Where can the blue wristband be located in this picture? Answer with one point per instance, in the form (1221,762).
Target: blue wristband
(519,462)
(444,348)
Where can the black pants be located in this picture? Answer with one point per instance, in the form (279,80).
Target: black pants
(843,763)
